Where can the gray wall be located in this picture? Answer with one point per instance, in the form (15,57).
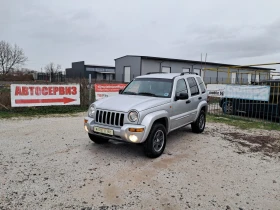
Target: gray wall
(133,61)
(208,76)
(151,65)
(77,70)
(79,67)
(156,65)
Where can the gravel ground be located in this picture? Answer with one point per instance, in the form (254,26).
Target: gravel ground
(50,163)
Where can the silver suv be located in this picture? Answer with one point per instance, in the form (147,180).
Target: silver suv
(149,108)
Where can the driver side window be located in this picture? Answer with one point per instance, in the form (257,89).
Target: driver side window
(181,87)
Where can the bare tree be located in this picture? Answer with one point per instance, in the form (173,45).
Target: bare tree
(10,56)
(52,69)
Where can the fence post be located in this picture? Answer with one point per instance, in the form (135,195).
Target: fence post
(89,84)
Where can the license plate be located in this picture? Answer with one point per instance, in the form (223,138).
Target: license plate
(104,131)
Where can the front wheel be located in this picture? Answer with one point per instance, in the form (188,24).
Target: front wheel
(199,125)
(97,140)
(156,141)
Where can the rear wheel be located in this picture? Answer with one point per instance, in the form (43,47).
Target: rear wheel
(227,107)
(156,141)
(199,125)
(97,140)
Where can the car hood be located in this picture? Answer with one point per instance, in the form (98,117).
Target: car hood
(124,103)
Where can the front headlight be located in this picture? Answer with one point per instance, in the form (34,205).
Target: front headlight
(133,116)
(91,110)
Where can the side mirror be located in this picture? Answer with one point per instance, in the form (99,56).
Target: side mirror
(182,96)
(120,91)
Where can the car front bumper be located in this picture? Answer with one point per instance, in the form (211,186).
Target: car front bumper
(119,133)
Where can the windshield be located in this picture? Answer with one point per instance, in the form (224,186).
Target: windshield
(150,87)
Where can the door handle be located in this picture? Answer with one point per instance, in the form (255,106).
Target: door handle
(188,101)
(199,98)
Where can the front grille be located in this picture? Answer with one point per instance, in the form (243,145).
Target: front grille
(109,118)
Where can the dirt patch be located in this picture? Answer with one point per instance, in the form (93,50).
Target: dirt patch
(64,169)
(256,143)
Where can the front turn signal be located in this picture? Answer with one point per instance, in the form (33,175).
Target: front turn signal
(136,130)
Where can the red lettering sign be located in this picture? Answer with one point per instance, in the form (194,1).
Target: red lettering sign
(44,95)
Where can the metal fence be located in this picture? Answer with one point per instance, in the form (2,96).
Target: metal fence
(247,105)
(54,77)
(229,80)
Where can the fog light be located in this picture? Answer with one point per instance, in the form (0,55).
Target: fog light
(133,138)
(136,129)
(86,128)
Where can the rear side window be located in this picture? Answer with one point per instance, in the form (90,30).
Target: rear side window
(201,85)
(193,86)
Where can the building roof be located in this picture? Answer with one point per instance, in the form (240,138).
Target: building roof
(99,66)
(164,75)
(195,62)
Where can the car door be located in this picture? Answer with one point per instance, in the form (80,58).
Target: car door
(194,97)
(180,108)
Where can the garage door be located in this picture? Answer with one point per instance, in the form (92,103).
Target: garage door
(127,74)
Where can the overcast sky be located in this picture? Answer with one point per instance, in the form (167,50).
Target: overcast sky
(97,32)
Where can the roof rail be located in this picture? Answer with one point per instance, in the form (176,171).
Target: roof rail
(156,73)
(183,73)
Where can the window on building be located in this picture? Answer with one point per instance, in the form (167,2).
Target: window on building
(201,85)
(104,76)
(186,69)
(181,86)
(166,69)
(193,86)
(126,75)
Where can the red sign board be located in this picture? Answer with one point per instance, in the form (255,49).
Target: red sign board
(107,90)
(44,95)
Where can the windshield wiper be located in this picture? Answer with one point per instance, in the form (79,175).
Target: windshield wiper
(146,93)
(129,93)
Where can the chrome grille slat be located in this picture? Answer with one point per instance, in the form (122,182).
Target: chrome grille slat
(119,122)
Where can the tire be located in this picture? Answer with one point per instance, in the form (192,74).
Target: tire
(97,140)
(199,125)
(227,107)
(156,141)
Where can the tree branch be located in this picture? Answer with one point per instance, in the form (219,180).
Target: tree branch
(10,56)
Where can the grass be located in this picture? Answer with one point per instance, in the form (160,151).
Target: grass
(41,111)
(243,123)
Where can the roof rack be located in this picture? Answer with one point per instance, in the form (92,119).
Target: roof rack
(156,73)
(183,73)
